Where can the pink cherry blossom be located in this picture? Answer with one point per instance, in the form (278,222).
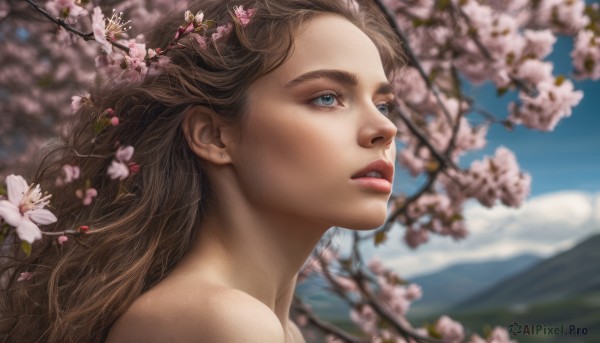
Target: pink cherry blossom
(78,101)
(65,8)
(346,284)
(242,15)
(554,101)
(564,16)
(376,266)
(62,239)
(500,335)
(119,168)
(70,173)
(26,276)
(414,238)
(365,318)
(586,55)
(87,196)
(450,330)
(539,43)
(333,339)
(24,208)
(534,71)
(222,31)
(99,29)
(497,178)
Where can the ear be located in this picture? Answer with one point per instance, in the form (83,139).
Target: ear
(202,128)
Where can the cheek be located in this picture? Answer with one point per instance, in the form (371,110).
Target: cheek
(288,157)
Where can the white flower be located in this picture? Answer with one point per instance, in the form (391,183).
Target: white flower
(99,29)
(25,208)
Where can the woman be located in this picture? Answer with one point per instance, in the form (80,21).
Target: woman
(250,146)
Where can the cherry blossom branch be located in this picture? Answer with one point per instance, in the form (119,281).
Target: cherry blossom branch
(413,58)
(488,115)
(86,36)
(460,113)
(83,229)
(326,327)
(359,277)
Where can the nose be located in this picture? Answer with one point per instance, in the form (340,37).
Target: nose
(376,129)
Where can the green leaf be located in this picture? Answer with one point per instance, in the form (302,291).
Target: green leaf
(26,247)
(442,5)
(380,237)
(501,91)
(100,124)
(456,217)
(346,263)
(432,331)
(589,64)
(559,80)
(3,190)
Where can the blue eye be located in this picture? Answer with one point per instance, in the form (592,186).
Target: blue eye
(326,100)
(386,108)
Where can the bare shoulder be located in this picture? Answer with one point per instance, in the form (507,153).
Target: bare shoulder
(205,314)
(296,334)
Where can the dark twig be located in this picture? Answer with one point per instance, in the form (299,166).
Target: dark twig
(86,36)
(326,327)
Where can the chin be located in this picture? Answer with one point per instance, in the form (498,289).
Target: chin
(366,219)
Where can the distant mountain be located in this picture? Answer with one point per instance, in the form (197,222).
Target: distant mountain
(441,289)
(451,285)
(571,273)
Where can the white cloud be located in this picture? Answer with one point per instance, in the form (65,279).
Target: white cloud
(544,225)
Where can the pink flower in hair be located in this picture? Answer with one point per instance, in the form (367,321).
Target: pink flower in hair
(62,239)
(26,276)
(119,168)
(242,15)
(87,196)
(222,30)
(200,39)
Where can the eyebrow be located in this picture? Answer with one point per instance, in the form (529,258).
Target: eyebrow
(340,76)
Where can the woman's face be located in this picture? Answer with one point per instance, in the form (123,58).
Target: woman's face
(314,123)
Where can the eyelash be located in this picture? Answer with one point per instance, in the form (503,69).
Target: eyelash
(339,95)
(336,93)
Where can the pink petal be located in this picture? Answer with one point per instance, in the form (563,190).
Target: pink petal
(16,186)
(62,239)
(41,216)
(26,276)
(124,154)
(10,212)
(117,170)
(28,231)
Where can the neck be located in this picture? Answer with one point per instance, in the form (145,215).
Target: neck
(255,251)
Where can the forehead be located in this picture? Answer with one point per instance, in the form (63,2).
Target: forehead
(330,41)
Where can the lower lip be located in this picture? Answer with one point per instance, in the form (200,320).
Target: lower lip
(380,185)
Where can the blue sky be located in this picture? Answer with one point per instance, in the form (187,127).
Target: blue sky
(562,209)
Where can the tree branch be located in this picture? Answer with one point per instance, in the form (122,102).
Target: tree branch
(328,328)
(86,36)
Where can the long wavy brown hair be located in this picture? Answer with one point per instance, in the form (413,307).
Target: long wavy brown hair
(141,227)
